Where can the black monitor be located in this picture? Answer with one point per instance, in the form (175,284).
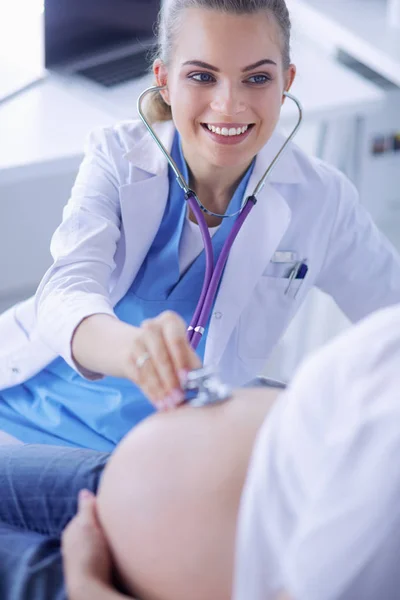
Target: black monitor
(109,41)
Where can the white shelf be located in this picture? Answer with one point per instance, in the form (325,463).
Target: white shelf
(359,27)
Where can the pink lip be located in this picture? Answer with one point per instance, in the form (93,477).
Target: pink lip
(228,140)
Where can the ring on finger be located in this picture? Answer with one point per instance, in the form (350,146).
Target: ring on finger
(142,359)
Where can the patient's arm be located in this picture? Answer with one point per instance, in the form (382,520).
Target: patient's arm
(170,495)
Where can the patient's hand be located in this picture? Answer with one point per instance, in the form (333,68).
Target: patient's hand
(87,559)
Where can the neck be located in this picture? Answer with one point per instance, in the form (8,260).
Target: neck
(213,185)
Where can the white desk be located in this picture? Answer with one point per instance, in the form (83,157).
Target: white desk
(359,27)
(44,129)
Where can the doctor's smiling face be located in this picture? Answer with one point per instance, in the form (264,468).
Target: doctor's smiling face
(225,82)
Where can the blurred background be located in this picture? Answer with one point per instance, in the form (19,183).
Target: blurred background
(68,66)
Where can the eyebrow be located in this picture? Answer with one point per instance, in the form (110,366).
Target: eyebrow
(204,65)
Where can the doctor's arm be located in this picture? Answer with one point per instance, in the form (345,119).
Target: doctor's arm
(74,311)
(83,248)
(361,270)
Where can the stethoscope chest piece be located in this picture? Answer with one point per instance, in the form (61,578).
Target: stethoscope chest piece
(204,387)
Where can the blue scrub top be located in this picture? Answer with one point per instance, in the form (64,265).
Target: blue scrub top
(60,407)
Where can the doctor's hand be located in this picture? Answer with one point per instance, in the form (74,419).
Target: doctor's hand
(159,358)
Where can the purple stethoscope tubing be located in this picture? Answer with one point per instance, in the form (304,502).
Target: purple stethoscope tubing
(213,274)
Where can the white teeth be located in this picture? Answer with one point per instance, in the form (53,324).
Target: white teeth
(228,132)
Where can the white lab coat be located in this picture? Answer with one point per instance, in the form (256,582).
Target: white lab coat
(113,215)
(320,511)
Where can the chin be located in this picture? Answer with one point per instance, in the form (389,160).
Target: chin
(234,160)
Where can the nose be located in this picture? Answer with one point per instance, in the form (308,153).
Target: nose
(227,101)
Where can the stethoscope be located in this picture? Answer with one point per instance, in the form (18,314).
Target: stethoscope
(213,273)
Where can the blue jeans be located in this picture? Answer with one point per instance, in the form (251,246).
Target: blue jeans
(38,497)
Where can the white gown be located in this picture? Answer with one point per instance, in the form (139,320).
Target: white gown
(320,513)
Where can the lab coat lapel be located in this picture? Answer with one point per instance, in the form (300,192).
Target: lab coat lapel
(142,208)
(251,252)
(143,201)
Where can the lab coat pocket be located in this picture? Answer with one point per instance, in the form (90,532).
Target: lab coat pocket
(265,318)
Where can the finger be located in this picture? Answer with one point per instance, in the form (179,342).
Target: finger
(175,335)
(146,376)
(162,361)
(86,508)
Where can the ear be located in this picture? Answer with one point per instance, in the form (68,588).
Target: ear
(289,78)
(161,74)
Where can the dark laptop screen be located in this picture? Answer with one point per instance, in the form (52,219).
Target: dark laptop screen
(78,29)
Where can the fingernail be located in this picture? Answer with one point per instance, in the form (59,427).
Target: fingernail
(176,397)
(172,400)
(84,495)
(168,402)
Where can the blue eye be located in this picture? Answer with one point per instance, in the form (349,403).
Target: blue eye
(259,79)
(202,77)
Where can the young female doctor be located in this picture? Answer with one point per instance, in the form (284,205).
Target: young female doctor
(107,343)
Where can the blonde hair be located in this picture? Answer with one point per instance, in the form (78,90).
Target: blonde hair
(168,27)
